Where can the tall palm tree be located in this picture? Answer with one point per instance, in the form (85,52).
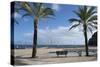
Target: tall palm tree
(87,18)
(36,11)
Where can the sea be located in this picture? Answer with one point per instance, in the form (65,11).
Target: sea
(49,46)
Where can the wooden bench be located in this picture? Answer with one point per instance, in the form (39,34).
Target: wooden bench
(78,51)
(61,53)
(66,52)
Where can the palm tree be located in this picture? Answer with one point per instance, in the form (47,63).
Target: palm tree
(87,18)
(36,11)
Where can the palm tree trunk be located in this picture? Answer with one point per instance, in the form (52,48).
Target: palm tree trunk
(35,37)
(86,40)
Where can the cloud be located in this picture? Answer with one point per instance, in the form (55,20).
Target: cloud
(59,36)
(55,7)
(28,34)
(17,15)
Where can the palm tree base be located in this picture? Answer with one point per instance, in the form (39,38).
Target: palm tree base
(34,57)
(87,55)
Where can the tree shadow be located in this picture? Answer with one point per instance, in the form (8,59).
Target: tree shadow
(22,57)
(19,62)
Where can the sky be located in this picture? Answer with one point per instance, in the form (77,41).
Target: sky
(50,31)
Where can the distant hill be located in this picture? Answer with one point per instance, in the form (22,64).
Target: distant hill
(93,40)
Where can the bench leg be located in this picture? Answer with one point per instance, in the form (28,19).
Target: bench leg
(80,53)
(65,55)
(57,54)
(66,52)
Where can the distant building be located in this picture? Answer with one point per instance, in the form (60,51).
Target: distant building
(93,40)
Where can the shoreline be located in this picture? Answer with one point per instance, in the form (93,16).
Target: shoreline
(93,47)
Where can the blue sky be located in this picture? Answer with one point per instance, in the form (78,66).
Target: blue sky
(50,31)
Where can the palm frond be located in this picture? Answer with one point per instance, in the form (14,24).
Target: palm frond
(91,13)
(92,10)
(82,11)
(74,20)
(27,14)
(47,12)
(87,15)
(39,9)
(93,18)
(35,9)
(94,22)
(93,26)
(90,29)
(74,26)
(36,5)
(26,7)
(16,21)
(78,14)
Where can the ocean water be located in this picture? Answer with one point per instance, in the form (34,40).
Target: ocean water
(49,46)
